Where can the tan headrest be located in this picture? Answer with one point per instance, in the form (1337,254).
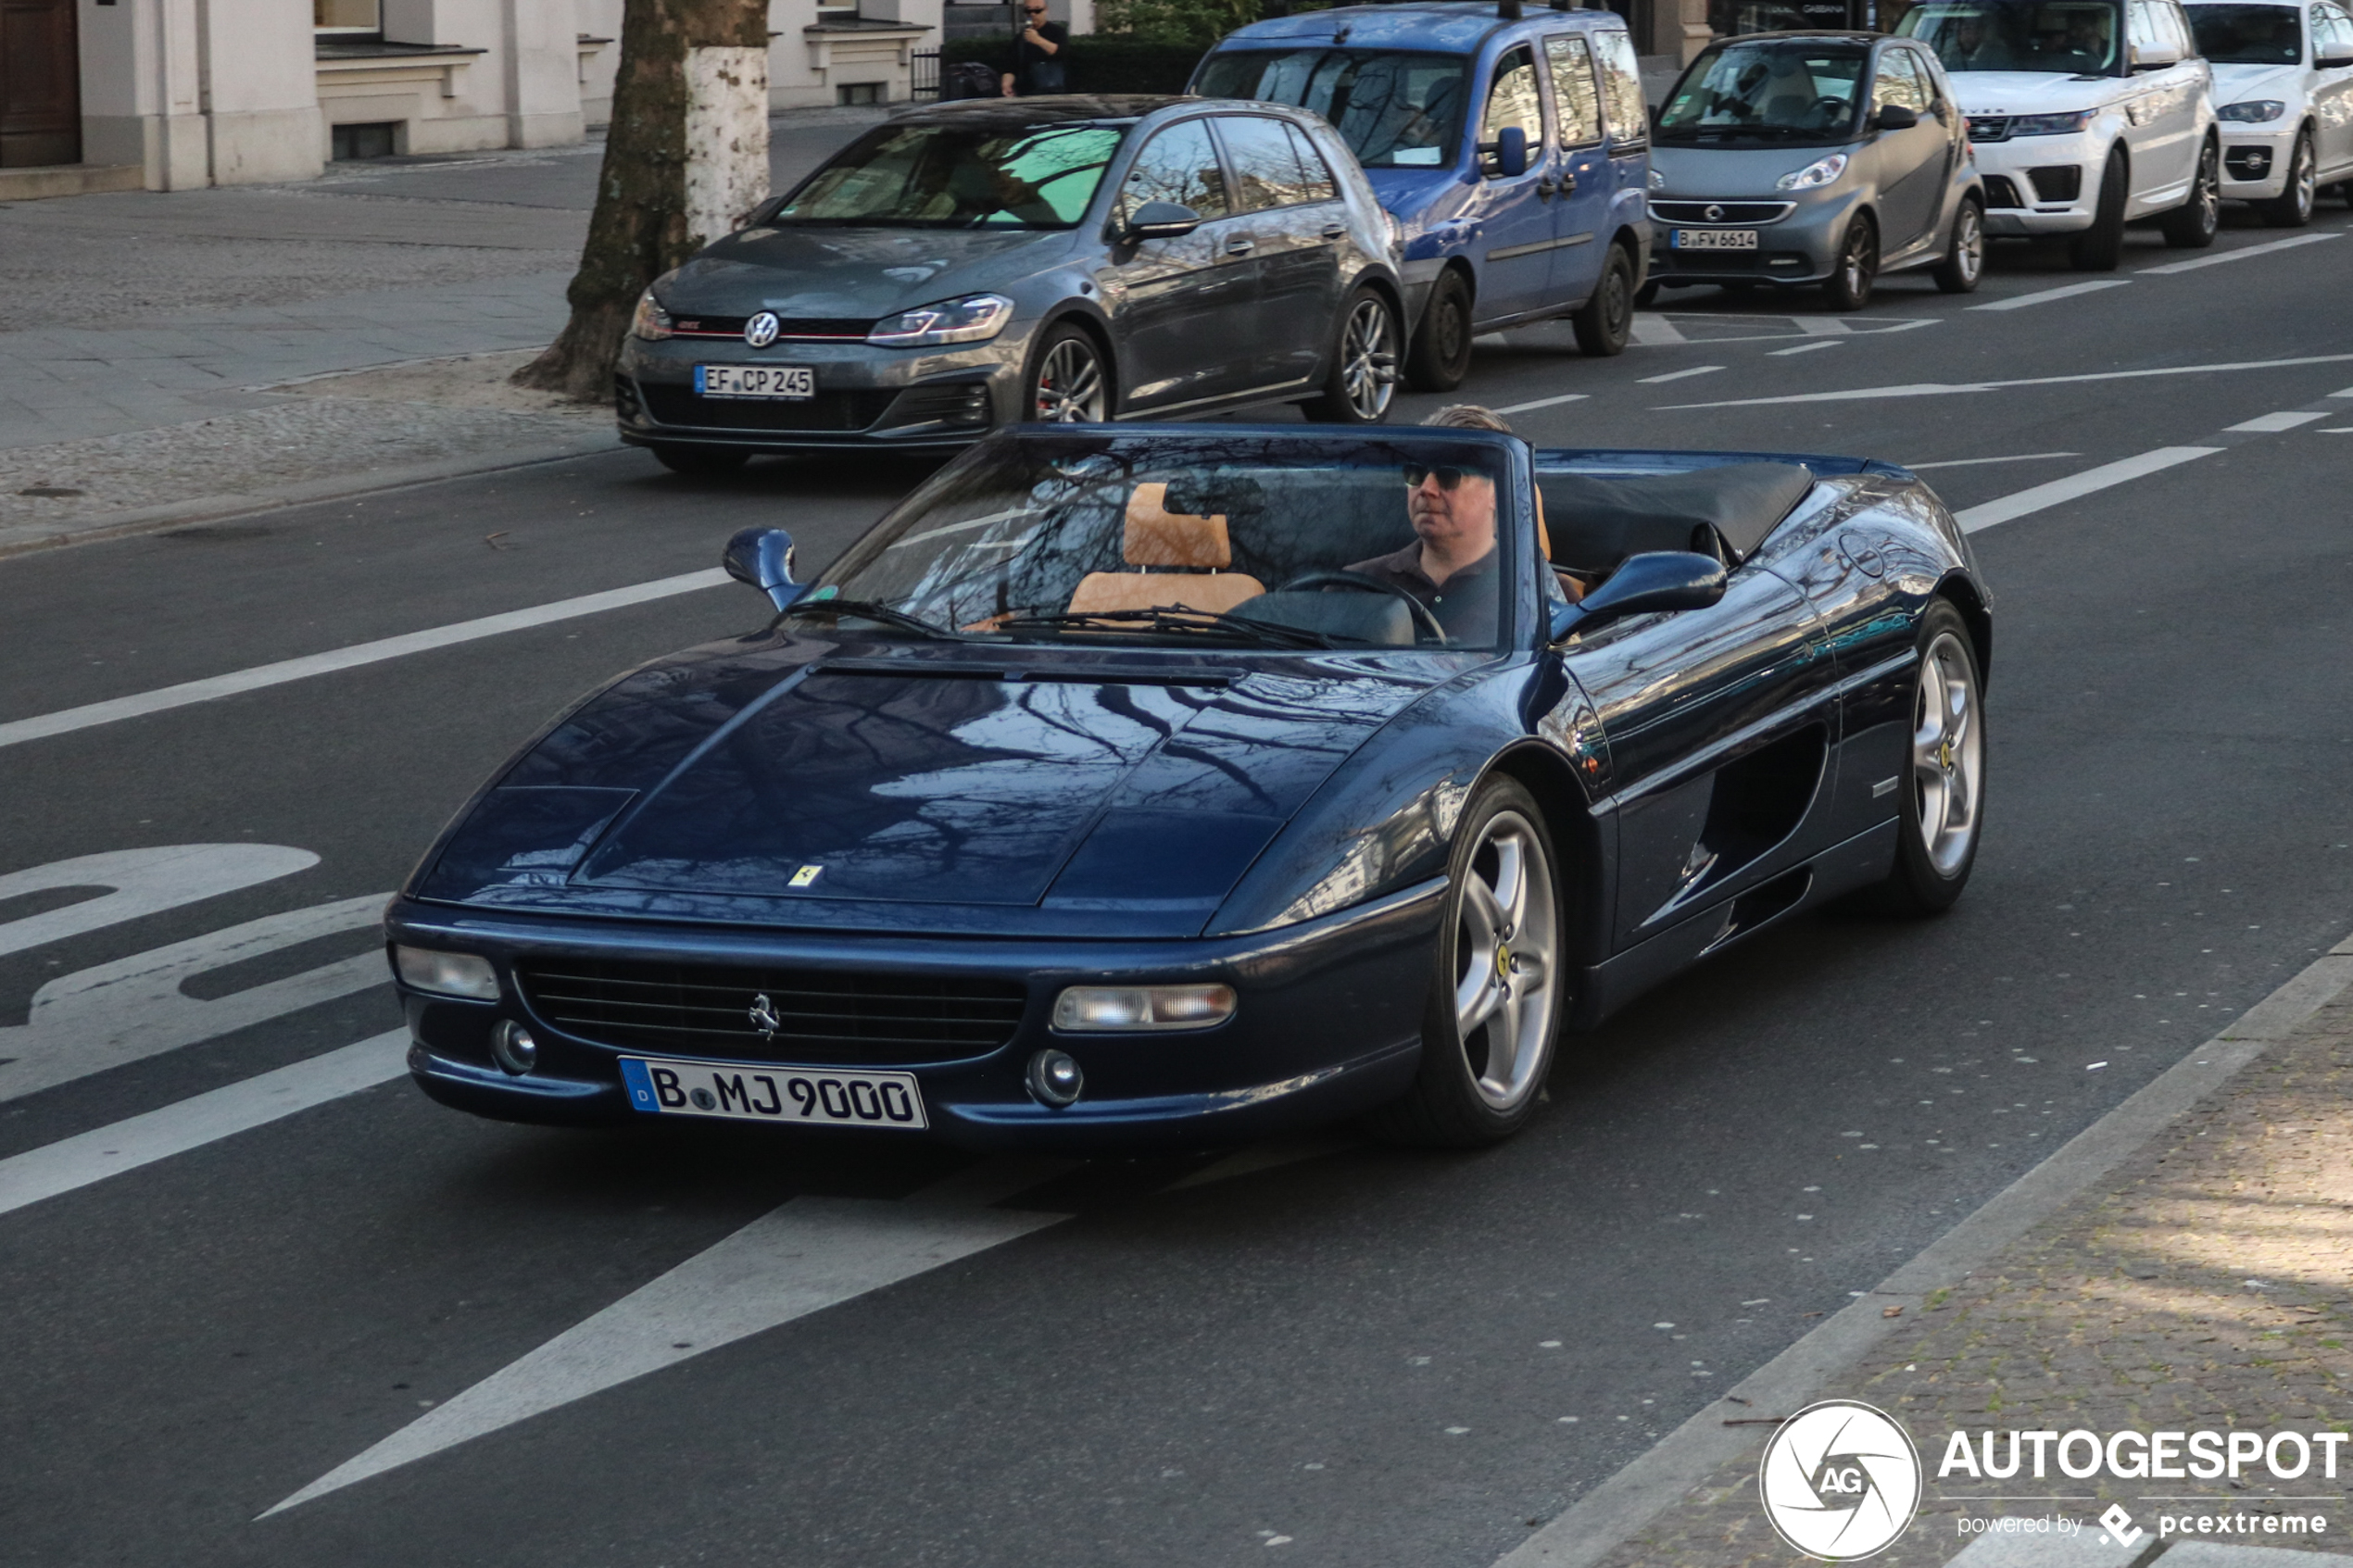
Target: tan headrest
(1157,537)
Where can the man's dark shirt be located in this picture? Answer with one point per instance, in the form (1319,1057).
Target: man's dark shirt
(1465,607)
(1027,55)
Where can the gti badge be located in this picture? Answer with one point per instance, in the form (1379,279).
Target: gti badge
(761,330)
(762,1014)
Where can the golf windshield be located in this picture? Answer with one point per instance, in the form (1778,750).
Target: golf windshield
(2076,37)
(1394,110)
(959,177)
(2249,35)
(1263,542)
(1767,91)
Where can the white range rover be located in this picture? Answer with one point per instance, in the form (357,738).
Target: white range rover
(2084,115)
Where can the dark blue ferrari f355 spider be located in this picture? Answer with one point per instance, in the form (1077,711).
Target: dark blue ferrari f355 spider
(1133,785)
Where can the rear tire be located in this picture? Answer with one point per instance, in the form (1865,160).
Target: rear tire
(1944,781)
(2194,224)
(1495,997)
(2292,209)
(1849,287)
(2101,246)
(1362,384)
(1605,323)
(684,460)
(1964,264)
(1441,352)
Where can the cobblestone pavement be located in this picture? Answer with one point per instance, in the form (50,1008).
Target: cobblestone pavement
(2202,1286)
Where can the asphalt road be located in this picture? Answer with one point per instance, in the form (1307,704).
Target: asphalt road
(1345,1354)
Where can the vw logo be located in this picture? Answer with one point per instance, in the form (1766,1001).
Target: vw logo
(760,332)
(1714,213)
(763,1012)
(1839,1481)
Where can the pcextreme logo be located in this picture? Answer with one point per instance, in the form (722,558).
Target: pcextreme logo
(1841,1480)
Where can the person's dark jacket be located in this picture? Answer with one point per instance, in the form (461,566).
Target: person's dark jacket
(1028,58)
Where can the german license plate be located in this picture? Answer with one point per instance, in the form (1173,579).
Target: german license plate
(793,382)
(1714,238)
(732,1091)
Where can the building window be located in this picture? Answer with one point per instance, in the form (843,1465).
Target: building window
(850,92)
(347,19)
(836,10)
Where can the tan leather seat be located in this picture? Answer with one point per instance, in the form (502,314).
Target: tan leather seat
(1184,560)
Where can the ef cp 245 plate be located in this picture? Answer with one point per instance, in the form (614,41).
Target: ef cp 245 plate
(732,1091)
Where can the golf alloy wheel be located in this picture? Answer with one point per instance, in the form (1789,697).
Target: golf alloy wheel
(1069,387)
(1369,359)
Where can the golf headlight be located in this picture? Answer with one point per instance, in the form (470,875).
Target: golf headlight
(2051,124)
(446,974)
(2255,111)
(1821,172)
(974,318)
(1088,1008)
(651,323)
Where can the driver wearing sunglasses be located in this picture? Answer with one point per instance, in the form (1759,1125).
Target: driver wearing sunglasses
(1451,565)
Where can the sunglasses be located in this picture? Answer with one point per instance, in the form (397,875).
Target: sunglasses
(1447,478)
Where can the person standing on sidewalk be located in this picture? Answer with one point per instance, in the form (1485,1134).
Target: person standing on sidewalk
(1037,63)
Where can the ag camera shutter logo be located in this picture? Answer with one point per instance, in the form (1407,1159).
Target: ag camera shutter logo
(1840,1480)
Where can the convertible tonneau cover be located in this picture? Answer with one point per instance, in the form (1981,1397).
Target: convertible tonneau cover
(1597,518)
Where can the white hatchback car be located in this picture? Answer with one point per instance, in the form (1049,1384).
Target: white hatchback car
(2283,77)
(2084,115)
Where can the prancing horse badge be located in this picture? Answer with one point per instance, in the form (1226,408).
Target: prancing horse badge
(806,875)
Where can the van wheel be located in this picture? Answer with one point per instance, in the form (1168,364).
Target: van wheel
(1964,264)
(1605,324)
(1849,287)
(1440,355)
(2292,209)
(2194,224)
(2101,246)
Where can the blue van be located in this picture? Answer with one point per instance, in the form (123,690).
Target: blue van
(1539,213)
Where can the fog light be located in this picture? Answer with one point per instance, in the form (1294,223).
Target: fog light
(513,1046)
(1054,1078)
(446,974)
(1083,1008)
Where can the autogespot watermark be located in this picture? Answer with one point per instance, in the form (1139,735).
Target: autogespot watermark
(1842,1481)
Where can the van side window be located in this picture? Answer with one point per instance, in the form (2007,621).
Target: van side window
(1514,100)
(1321,186)
(1577,100)
(1179,165)
(1629,118)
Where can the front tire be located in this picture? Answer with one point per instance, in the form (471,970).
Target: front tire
(1441,352)
(1068,382)
(1964,263)
(699,460)
(2194,224)
(1495,1000)
(1944,781)
(1362,380)
(1849,287)
(2101,246)
(1605,323)
(2292,209)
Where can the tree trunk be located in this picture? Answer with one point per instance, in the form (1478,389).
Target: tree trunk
(687,154)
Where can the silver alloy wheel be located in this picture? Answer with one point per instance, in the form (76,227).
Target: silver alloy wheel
(2207,194)
(1948,754)
(1369,359)
(1969,243)
(1853,267)
(1506,954)
(1070,385)
(2304,180)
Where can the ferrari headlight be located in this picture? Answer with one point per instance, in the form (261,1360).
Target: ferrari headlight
(974,318)
(1821,172)
(2051,124)
(651,323)
(446,974)
(1086,1008)
(2255,111)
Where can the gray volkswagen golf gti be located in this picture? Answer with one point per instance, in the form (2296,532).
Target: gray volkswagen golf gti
(1814,157)
(1056,260)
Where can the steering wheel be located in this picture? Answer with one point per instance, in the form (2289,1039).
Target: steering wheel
(1424,620)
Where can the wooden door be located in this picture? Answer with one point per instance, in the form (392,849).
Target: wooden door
(40,85)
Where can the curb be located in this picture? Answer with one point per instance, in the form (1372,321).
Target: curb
(211,509)
(1599,1522)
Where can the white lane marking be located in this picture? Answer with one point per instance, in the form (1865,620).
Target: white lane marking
(190,1123)
(801,1257)
(133,1008)
(2077,486)
(1678,375)
(1653,332)
(140,882)
(1544,402)
(1821,326)
(2266,424)
(2334,430)
(2239,255)
(2345,392)
(66,720)
(2020,302)
(1946,389)
(1802,348)
(1977,462)
(1270,1155)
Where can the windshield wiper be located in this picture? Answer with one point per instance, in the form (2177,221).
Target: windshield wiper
(869,611)
(1161,619)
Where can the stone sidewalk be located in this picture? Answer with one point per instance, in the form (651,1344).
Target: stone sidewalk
(2202,1285)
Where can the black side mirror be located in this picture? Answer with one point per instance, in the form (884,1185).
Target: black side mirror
(762,557)
(2331,58)
(1510,147)
(1162,221)
(1645,584)
(1894,116)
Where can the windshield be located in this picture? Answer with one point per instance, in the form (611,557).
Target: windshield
(1394,110)
(1203,542)
(2078,37)
(960,177)
(2249,35)
(1782,91)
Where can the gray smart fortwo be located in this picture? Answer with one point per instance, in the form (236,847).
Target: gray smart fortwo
(1032,260)
(1814,157)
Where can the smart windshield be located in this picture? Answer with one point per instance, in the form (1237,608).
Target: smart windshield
(1767,91)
